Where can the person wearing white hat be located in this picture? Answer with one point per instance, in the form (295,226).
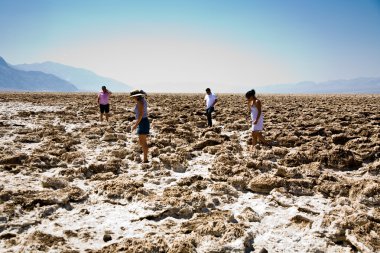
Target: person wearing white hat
(142,123)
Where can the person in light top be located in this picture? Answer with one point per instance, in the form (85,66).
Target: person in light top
(257,117)
(142,123)
(103,101)
(211,100)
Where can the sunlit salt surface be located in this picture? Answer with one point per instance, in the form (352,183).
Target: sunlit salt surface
(286,222)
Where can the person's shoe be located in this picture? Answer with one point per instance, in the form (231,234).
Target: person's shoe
(267,144)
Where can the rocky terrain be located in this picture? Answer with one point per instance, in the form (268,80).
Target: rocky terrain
(71,184)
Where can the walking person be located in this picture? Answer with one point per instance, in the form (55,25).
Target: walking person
(211,100)
(254,108)
(103,101)
(142,123)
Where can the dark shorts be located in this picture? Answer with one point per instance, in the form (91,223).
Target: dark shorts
(143,127)
(104,108)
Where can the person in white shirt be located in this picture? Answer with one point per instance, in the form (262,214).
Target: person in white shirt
(211,100)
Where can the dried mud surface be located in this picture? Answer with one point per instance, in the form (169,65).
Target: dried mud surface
(71,184)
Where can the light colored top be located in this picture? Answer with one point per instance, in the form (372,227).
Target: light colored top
(259,126)
(210,99)
(145,112)
(255,112)
(104,98)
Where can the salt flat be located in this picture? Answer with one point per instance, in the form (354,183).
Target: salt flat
(67,182)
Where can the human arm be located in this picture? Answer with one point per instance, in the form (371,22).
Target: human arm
(140,108)
(98,98)
(216,100)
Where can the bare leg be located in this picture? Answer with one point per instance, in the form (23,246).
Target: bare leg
(261,138)
(101,117)
(107,115)
(144,145)
(254,140)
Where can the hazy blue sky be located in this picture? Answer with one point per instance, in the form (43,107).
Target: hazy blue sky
(187,45)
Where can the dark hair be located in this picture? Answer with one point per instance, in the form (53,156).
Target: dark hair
(139,92)
(250,93)
(105,88)
(208,89)
(143,92)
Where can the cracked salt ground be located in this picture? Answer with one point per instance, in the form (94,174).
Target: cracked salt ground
(12,108)
(81,188)
(274,226)
(93,220)
(105,217)
(71,127)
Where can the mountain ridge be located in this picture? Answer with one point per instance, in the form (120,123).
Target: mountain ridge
(83,79)
(12,79)
(67,78)
(359,85)
(3,62)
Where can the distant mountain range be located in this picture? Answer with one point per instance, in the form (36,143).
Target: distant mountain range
(51,76)
(83,79)
(350,86)
(12,79)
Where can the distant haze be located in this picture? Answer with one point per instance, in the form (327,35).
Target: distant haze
(50,76)
(83,79)
(186,46)
(12,79)
(350,86)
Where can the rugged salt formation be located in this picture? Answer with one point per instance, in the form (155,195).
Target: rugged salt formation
(71,184)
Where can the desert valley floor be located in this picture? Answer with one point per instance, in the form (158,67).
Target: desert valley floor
(71,184)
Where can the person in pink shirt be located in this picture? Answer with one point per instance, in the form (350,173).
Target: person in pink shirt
(103,101)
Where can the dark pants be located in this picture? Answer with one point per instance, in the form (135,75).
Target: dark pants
(208,114)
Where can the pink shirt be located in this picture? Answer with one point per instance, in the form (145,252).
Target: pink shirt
(103,98)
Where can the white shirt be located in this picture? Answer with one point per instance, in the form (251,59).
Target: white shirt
(210,99)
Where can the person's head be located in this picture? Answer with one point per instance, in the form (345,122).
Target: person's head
(104,89)
(250,94)
(208,91)
(137,95)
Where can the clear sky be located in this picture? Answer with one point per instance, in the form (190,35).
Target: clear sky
(186,45)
